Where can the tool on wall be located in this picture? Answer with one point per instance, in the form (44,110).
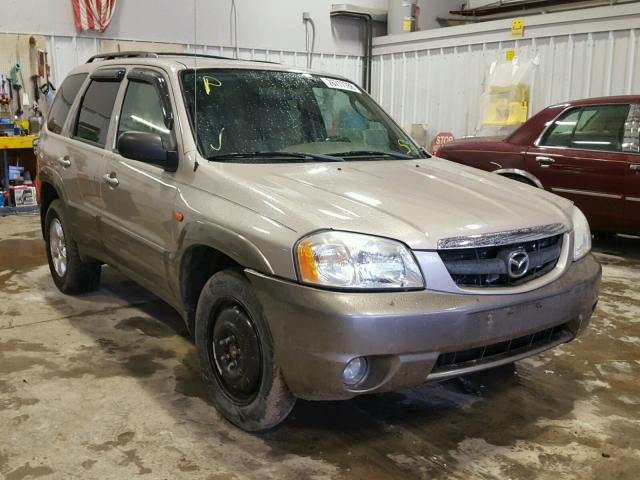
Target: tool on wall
(47,86)
(36,89)
(5,97)
(16,80)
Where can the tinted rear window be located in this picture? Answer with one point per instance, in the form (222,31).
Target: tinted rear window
(64,99)
(95,112)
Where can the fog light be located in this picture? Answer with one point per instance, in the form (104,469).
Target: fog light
(355,371)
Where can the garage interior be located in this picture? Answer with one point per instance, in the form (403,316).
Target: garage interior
(108,384)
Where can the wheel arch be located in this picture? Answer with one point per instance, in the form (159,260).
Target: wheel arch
(509,172)
(48,193)
(206,249)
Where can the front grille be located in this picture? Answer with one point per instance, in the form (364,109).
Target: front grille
(496,351)
(487,266)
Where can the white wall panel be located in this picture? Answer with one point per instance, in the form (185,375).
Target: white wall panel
(261,23)
(437,77)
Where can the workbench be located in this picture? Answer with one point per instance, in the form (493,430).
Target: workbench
(13,148)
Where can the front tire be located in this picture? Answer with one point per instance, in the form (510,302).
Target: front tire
(69,272)
(236,353)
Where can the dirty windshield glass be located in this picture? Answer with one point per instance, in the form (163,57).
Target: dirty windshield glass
(248,111)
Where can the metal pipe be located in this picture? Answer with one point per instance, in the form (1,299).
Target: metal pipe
(234,14)
(368,44)
(311,51)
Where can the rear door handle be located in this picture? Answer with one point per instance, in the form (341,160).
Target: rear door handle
(545,161)
(64,161)
(635,167)
(112,181)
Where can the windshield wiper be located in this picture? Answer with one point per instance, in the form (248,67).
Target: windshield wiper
(305,156)
(372,153)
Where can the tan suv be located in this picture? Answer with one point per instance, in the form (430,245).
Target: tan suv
(313,250)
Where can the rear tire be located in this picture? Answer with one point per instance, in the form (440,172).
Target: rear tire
(69,272)
(236,354)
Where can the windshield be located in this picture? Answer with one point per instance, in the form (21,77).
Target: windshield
(247,111)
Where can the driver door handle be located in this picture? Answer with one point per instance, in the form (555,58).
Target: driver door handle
(64,161)
(112,181)
(635,167)
(545,161)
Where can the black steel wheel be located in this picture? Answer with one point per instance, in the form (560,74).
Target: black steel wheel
(236,353)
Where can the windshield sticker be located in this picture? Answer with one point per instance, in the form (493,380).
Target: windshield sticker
(340,84)
(210,82)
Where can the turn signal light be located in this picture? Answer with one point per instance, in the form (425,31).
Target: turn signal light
(307,263)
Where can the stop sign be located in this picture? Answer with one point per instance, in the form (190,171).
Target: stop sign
(441,139)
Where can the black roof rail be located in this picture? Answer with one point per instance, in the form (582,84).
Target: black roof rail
(131,54)
(136,54)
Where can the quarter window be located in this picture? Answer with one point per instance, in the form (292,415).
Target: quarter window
(64,99)
(631,141)
(142,112)
(600,127)
(95,112)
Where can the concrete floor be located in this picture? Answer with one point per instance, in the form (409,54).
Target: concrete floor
(103,386)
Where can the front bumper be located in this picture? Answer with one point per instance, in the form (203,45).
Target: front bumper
(402,334)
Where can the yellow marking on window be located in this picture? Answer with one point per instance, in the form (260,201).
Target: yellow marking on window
(405,145)
(210,82)
(217,149)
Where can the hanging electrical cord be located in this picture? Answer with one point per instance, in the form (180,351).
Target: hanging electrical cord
(233,16)
(306,19)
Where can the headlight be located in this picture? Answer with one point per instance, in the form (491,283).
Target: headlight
(581,234)
(351,260)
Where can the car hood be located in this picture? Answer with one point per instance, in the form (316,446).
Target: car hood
(417,202)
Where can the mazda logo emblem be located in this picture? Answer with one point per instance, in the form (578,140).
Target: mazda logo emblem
(517,264)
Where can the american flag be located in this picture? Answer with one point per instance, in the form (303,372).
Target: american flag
(93,14)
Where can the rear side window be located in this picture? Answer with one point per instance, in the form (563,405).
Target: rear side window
(64,99)
(596,127)
(95,112)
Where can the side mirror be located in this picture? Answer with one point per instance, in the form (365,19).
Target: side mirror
(147,147)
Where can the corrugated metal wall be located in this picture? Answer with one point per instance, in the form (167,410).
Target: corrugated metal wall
(437,77)
(68,52)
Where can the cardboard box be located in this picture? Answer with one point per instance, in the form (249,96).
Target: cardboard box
(24,195)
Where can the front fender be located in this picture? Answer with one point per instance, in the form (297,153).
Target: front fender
(226,241)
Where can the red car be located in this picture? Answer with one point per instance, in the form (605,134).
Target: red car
(585,150)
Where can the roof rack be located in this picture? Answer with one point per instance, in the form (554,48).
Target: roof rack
(141,54)
(132,54)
